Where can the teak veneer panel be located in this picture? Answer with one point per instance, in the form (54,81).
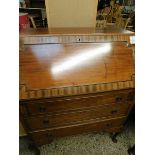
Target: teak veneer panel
(55,63)
(46,136)
(72,103)
(77,116)
(65,65)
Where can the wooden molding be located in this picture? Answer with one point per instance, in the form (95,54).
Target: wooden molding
(26,93)
(46,39)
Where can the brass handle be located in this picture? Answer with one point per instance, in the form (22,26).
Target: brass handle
(118,99)
(109,124)
(49,135)
(42,109)
(113,111)
(46,121)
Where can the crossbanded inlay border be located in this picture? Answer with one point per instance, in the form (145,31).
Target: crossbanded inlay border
(25,93)
(57,39)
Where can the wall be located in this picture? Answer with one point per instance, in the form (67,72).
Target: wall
(71,13)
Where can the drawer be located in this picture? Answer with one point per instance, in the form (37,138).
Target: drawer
(61,119)
(109,125)
(78,102)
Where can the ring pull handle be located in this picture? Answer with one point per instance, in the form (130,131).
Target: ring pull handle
(118,99)
(42,109)
(46,121)
(113,111)
(49,135)
(109,124)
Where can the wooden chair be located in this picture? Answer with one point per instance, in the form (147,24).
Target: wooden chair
(118,12)
(116,18)
(128,25)
(112,6)
(102,17)
(32,21)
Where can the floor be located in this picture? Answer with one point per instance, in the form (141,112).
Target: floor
(86,144)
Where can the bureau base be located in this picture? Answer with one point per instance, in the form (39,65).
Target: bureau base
(46,136)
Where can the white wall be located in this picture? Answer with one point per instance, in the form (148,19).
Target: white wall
(71,13)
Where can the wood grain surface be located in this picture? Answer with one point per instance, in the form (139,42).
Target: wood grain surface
(74,81)
(46,136)
(62,65)
(73,31)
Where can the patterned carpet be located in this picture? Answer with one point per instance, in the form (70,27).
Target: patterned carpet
(86,144)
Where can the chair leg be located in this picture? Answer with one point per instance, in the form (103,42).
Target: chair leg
(33,22)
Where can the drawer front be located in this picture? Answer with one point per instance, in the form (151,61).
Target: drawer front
(81,102)
(61,119)
(46,136)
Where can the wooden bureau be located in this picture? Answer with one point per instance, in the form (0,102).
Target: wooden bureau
(74,81)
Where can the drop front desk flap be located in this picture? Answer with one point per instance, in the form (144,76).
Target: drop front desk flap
(74,81)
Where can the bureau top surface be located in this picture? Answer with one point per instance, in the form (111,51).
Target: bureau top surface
(73,31)
(50,66)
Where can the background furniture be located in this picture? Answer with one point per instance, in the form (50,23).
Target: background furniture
(102,16)
(37,16)
(37,3)
(23,21)
(81,81)
(120,16)
(34,3)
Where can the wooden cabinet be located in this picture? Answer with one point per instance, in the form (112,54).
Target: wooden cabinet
(74,81)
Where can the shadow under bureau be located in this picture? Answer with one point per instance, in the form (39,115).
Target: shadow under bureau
(74,81)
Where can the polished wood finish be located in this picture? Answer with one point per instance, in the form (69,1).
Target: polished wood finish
(72,103)
(94,63)
(74,31)
(73,35)
(46,136)
(71,87)
(77,116)
(60,64)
